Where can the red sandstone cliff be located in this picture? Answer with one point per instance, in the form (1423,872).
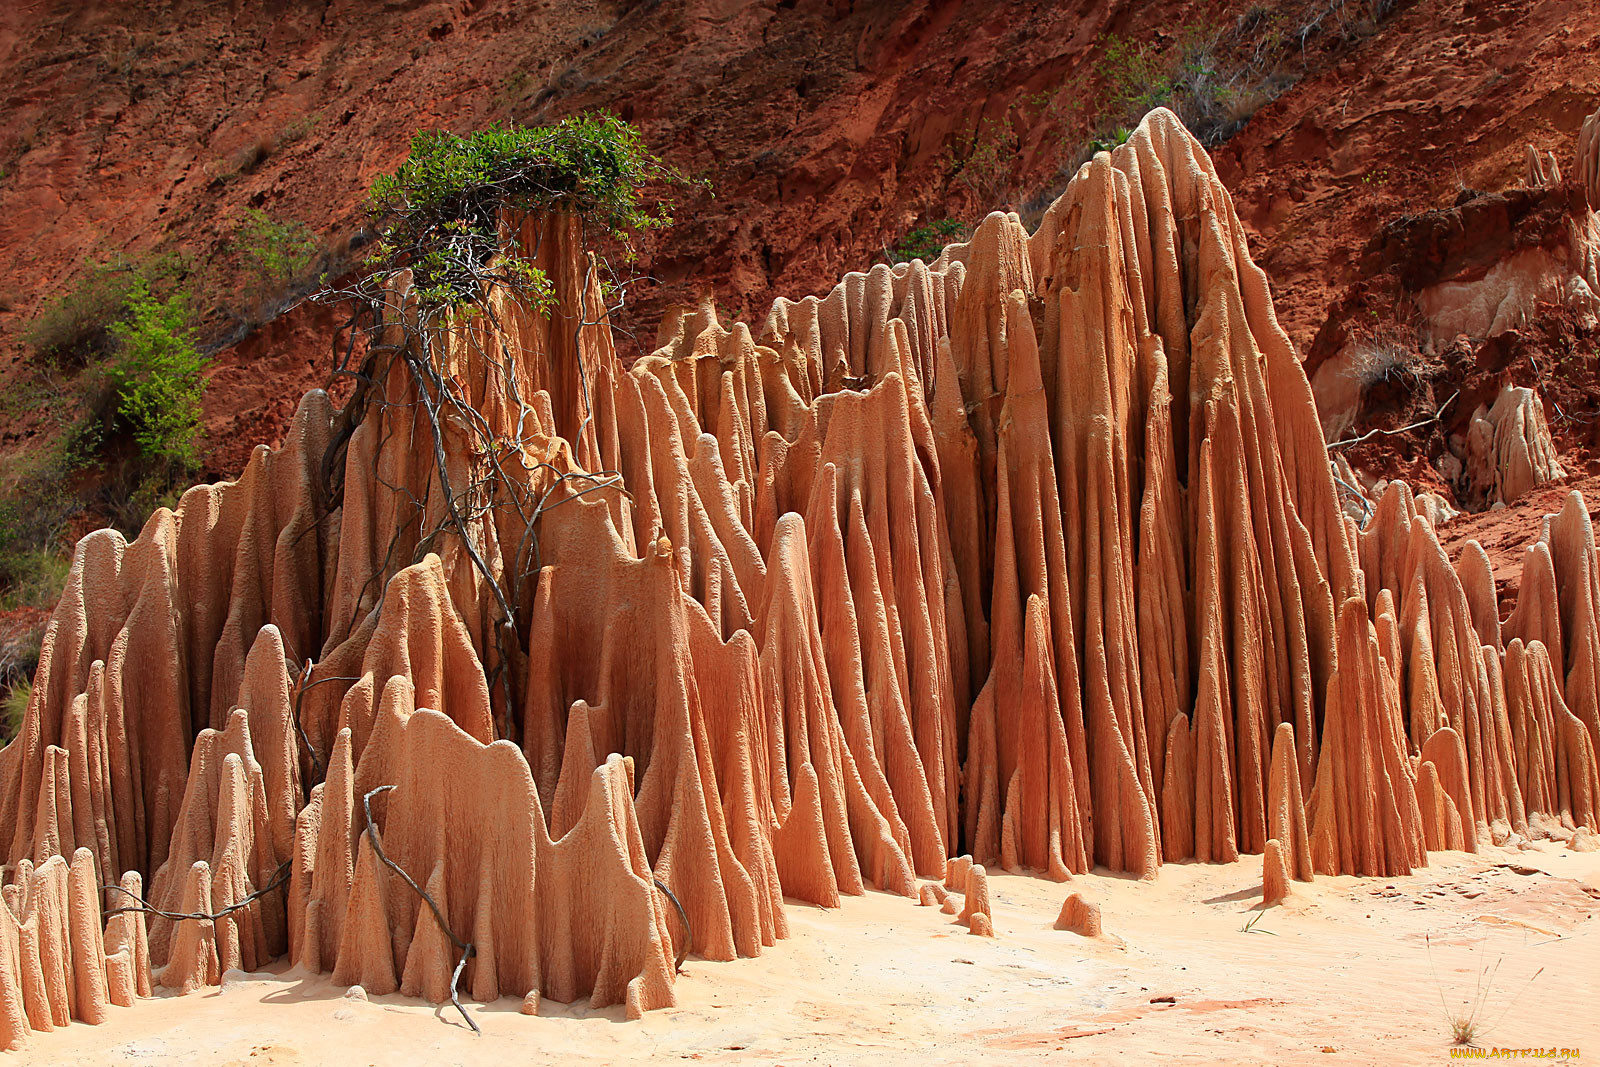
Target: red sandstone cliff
(824,128)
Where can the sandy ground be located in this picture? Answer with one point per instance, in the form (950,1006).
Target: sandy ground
(1348,971)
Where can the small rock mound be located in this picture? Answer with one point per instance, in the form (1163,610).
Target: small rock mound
(1079,916)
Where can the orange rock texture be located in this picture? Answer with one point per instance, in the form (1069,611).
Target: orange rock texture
(1080,916)
(1589,159)
(1509,449)
(545,672)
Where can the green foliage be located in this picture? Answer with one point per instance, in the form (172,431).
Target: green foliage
(35,508)
(299,128)
(983,162)
(36,585)
(36,575)
(1214,104)
(1138,77)
(13,708)
(1107,142)
(1250,926)
(136,490)
(927,241)
(79,322)
(33,565)
(513,89)
(277,254)
(156,376)
(443,207)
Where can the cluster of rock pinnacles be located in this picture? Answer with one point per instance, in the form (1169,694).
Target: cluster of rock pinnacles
(1031,554)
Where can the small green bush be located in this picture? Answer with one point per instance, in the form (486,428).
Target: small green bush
(34,512)
(140,375)
(298,129)
(14,708)
(36,505)
(79,322)
(1107,142)
(926,242)
(983,161)
(1136,76)
(1212,102)
(33,563)
(442,208)
(36,577)
(135,490)
(277,254)
(157,376)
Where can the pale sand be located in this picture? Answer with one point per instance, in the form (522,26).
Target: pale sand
(1341,973)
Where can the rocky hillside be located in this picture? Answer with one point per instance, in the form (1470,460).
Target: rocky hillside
(826,131)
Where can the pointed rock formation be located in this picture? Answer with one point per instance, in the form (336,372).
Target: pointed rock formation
(1031,555)
(1509,449)
(56,962)
(1589,159)
(1364,815)
(1274,874)
(1286,815)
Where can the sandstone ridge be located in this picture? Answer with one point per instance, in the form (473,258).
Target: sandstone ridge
(1030,555)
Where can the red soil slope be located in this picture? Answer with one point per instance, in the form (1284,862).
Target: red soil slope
(1446,97)
(824,127)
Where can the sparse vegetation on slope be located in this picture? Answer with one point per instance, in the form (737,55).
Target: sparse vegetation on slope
(1213,97)
(76,327)
(13,707)
(278,254)
(37,502)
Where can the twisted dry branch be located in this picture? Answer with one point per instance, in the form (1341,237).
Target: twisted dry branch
(279,877)
(1419,424)
(688,931)
(465,946)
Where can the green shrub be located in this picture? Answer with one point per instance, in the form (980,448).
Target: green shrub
(1137,77)
(513,89)
(442,208)
(926,242)
(1106,142)
(79,322)
(298,129)
(277,254)
(1189,79)
(135,490)
(33,561)
(36,506)
(147,384)
(35,577)
(157,376)
(1214,103)
(33,558)
(13,708)
(983,161)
